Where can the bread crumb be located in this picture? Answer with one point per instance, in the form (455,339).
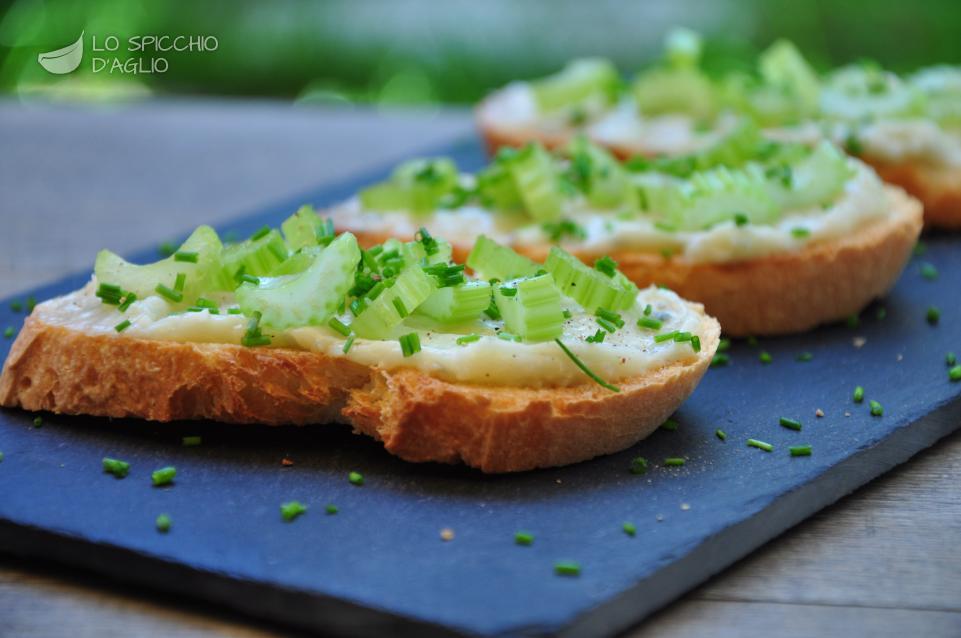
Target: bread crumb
(286,462)
(858,342)
(900,357)
(447,534)
(819,413)
(846,413)
(659,518)
(685,506)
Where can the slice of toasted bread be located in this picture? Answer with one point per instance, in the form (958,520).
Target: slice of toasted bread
(938,188)
(416,416)
(784,293)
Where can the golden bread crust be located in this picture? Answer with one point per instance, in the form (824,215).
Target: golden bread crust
(417,417)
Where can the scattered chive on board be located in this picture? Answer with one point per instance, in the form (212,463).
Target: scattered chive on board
(929,272)
(951,359)
(674,461)
(670,425)
(192,441)
(38,422)
(638,465)
(8,332)
(355,478)
(331,509)
(800,450)
(804,357)
(954,374)
(720,359)
(858,395)
(630,529)
(876,408)
(933,315)
(567,568)
(163,476)
(293,509)
(163,523)
(118,468)
(765,357)
(523,538)
(761,445)
(721,434)
(791,424)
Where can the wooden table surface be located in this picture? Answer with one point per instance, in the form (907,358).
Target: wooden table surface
(885,561)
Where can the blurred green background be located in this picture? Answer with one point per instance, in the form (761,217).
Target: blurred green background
(423,51)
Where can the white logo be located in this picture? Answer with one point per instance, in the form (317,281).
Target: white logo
(63,60)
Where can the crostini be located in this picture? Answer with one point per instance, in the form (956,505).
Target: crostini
(772,238)
(521,366)
(908,128)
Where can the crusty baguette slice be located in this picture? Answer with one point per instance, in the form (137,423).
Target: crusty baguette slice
(938,188)
(416,416)
(780,294)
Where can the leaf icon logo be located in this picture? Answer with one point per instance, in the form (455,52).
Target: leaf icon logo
(63,60)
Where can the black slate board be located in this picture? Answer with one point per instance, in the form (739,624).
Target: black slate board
(379,564)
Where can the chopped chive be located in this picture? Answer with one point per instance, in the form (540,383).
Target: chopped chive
(647,310)
(876,408)
(761,445)
(610,316)
(721,434)
(800,233)
(567,313)
(954,374)
(674,461)
(765,357)
(244,278)
(166,249)
(331,509)
(507,336)
(355,478)
(31,304)
(630,529)
(262,232)
(853,321)
(696,343)
(580,364)
(720,359)
(649,322)
(740,219)
(638,465)
(858,395)
(192,441)
(118,468)
(123,325)
(523,538)
(339,326)
(597,337)
(667,336)
(670,425)
(929,271)
(1,457)
(607,325)
(724,345)
(400,307)
(8,332)
(471,338)
(128,299)
(606,265)
(180,282)
(800,450)
(186,256)
(752,341)
(804,357)
(567,568)
(234,311)
(791,424)
(348,343)
(951,359)
(683,337)
(38,422)
(167,293)
(508,291)
(933,315)
(163,476)
(881,313)
(163,523)
(409,344)
(293,509)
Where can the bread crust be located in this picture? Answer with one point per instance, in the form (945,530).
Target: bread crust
(416,416)
(779,294)
(938,188)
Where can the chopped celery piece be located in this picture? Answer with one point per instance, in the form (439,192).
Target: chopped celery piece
(495,261)
(495,184)
(256,257)
(682,48)
(783,66)
(866,92)
(457,304)
(720,194)
(416,186)
(534,310)
(815,180)
(604,180)
(538,183)
(675,90)
(303,228)
(143,280)
(297,263)
(579,82)
(590,288)
(309,298)
(411,288)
